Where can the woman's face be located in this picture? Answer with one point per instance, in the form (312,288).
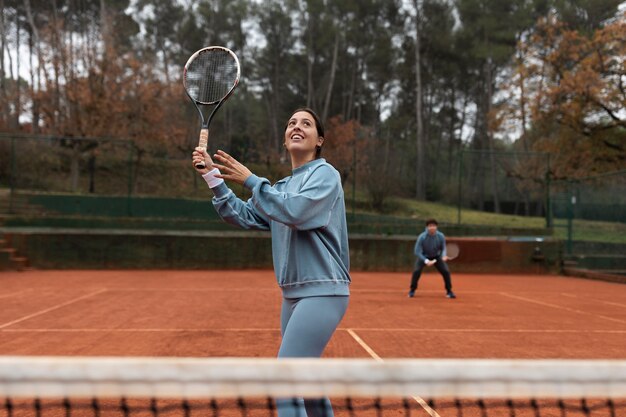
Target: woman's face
(301,133)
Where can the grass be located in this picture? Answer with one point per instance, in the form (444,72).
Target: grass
(418,211)
(593,231)
(587,230)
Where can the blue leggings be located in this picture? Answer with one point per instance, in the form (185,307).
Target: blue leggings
(306,325)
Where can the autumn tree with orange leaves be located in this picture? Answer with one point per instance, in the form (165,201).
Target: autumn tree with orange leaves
(342,147)
(568,95)
(90,71)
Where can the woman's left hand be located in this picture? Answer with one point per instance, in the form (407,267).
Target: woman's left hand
(230,168)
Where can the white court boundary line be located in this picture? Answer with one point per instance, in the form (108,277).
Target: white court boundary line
(137,330)
(55,290)
(435,330)
(269,329)
(13,294)
(573,310)
(376,357)
(204,289)
(47,310)
(611,303)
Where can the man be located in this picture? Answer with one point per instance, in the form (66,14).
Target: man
(430,250)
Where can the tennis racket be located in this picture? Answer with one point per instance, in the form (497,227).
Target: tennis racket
(210,77)
(452,251)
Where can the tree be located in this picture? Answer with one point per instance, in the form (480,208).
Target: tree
(344,147)
(493,27)
(420,166)
(422,80)
(10,82)
(274,65)
(576,96)
(585,15)
(162,28)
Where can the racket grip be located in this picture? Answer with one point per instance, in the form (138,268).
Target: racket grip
(204,138)
(203,143)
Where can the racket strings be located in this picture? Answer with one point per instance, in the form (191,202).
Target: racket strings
(211,75)
(452,250)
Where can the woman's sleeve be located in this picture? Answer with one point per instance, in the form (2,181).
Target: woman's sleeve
(237,212)
(308,208)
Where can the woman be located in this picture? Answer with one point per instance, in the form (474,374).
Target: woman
(305,213)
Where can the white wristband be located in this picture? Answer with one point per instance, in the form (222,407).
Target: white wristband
(210,178)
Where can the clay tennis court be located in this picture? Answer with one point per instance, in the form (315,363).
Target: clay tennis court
(236,313)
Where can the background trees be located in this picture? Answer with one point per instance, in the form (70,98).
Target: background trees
(404,86)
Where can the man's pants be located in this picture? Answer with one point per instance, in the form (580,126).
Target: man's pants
(441,267)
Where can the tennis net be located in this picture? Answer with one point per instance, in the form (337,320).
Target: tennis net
(142,386)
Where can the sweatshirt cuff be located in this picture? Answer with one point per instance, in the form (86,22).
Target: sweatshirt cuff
(210,178)
(221,190)
(251,182)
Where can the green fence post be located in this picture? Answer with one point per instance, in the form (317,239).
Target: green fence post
(458,217)
(130,180)
(12,178)
(548,198)
(354,179)
(570,219)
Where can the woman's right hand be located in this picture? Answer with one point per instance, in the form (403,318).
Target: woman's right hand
(200,155)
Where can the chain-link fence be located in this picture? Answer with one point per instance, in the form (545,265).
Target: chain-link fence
(91,166)
(91,177)
(601,198)
(66,165)
(515,183)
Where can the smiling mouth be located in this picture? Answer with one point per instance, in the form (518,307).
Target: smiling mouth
(297,137)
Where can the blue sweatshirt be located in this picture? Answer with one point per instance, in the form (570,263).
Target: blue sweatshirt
(430,246)
(306,215)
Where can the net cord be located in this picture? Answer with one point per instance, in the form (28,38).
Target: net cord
(114,377)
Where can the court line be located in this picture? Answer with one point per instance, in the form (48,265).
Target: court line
(261,290)
(12,294)
(530,300)
(403,292)
(273,290)
(354,329)
(376,357)
(434,330)
(216,289)
(47,310)
(594,299)
(94,330)
(178,289)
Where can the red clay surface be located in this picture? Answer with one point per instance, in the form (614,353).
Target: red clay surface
(236,313)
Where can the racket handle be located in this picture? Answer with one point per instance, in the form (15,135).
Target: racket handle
(203,143)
